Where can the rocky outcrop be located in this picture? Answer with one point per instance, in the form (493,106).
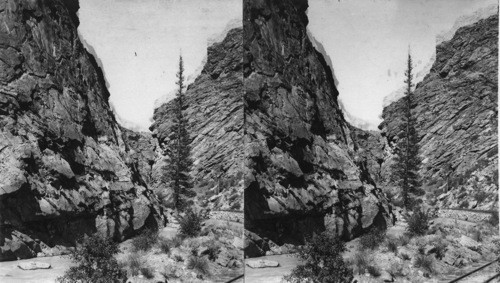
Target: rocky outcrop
(215,123)
(457,110)
(142,149)
(301,163)
(64,167)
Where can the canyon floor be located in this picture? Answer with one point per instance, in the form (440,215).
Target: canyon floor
(229,250)
(461,254)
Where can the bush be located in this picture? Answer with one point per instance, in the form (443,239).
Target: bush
(95,262)
(178,258)
(322,261)
(169,272)
(475,234)
(392,245)
(148,272)
(190,224)
(176,241)
(493,219)
(373,239)
(440,249)
(405,256)
(425,262)
(213,249)
(373,270)
(361,261)
(200,264)
(396,269)
(418,223)
(135,262)
(481,196)
(164,245)
(145,240)
(404,240)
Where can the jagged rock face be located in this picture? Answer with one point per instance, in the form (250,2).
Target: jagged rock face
(142,149)
(456,110)
(215,123)
(371,147)
(64,168)
(301,162)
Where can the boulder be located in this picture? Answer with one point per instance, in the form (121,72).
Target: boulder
(32,265)
(469,243)
(261,263)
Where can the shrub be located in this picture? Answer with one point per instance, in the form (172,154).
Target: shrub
(148,272)
(392,245)
(145,240)
(95,262)
(475,234)
(373,270)
(213,250)
(418,222)
(493,219)
(176,241)
(481,196)
(135,262)
(405,256)
(200,264)
(404,240)
(190,224)
(373,239)
(178,258)
(424,262)
(396,269)
(361,261)
(440,249)
(322,261)
(169,272)
(164,245)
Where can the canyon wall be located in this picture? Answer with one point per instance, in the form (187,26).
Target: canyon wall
(303,170)
(456,107)
(65,169)
(214,111)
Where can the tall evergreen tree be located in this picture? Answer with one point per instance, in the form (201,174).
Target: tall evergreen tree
(407,161)
(178,151)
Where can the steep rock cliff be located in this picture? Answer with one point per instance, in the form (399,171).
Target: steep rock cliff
(64,166)
(301,161)
(457,110)
(215,123)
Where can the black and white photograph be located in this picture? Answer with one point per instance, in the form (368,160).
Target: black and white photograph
(256,141)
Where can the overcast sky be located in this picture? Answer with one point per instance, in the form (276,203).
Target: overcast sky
(368,40)
(139,42)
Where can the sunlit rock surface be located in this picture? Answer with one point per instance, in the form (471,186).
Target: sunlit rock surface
(456,106)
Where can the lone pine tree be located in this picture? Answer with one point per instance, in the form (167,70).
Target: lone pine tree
(407,160)
(178,151)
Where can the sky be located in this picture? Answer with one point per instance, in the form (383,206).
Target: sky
(139,42)
(367,42)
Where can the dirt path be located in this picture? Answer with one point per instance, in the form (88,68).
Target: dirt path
(9,272)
